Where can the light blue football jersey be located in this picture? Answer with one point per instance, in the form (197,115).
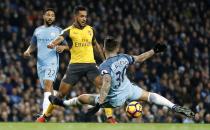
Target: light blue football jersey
(42,36)
(120,85)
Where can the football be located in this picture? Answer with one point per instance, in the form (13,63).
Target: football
(134,109)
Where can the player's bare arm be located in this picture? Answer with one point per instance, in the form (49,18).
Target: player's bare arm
(144,56)
(29,50)
(55,42)
(98,50)
(106,79)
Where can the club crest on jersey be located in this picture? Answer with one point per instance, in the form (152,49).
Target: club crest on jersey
(89,32)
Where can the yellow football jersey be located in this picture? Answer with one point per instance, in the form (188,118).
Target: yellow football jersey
(82,43)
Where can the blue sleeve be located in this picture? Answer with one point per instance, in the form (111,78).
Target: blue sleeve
(104,69)
(129,58)
(34,39)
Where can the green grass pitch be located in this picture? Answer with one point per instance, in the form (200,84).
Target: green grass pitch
(101,126)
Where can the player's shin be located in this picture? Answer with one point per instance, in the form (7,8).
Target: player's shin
(49,110)
(48,88)
(72,102)
(46,101)
(159,100)
(87,99)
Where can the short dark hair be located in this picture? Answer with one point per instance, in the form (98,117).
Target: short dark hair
(48,9)
(79,8)
(110,43)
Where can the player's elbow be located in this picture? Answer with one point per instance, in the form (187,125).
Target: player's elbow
(140,59)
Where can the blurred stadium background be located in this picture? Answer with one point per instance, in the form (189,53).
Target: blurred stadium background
(181,74)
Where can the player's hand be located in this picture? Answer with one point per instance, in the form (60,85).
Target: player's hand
(159,48)
(51,45)
(93,110)
(26,54)
(60,49)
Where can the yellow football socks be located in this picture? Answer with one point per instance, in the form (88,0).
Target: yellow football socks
(108,112)
(49,110)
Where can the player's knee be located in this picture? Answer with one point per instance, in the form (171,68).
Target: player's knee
(152,97)
(48,86)
(144,95)
(87,99)
(64,89)
(83,98)
(60,95)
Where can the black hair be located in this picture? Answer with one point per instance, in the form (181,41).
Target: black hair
(79,8)
(48,9)
(110,43)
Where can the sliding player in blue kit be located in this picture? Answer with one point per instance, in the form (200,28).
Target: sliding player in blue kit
(116,88)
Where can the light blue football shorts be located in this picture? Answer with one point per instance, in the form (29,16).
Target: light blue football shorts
(131,93)
(47,73)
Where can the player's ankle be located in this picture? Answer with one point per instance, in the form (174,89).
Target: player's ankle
(174,106)
(111,120)
(45,116)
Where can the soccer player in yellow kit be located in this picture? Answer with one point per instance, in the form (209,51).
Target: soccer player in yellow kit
(82,44)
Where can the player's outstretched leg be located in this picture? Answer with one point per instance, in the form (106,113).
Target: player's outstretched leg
(160,100)
(56,101)
(80,100)
(63,90)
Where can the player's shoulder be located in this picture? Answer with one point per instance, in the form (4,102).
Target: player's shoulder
(39,27)
(129,58)
(57,27)
(105,63)
(124,55)
(89,27)
(105,68)
(68,28)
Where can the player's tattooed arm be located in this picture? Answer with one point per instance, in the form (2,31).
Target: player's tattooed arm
(105,88)
(106,79)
